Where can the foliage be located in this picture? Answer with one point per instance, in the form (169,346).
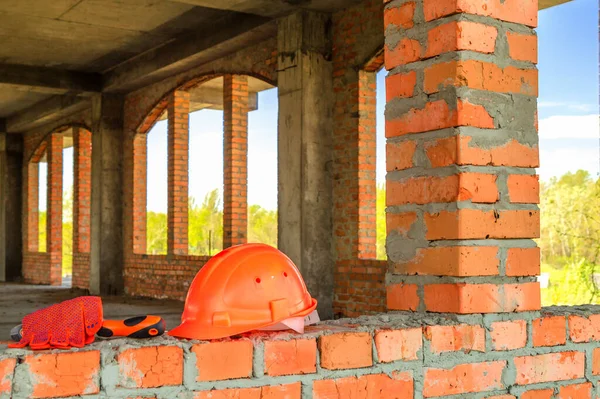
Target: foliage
(570,238)
(570,234)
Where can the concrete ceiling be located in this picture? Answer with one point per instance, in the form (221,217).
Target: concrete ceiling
(50,49)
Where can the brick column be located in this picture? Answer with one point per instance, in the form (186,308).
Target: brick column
(32,206)
(367,165)
(54,206)
(140,173)
(462,146)
(235,156)
(82,189)
(178,136)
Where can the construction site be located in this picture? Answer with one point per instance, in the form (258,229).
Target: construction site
(453,312)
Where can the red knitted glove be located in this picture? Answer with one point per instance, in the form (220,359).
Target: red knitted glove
(70,323)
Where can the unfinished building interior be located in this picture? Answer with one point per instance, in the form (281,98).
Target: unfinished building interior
(455,310)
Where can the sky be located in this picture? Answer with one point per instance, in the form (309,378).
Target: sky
(567,109)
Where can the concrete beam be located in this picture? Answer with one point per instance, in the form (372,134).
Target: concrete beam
(106,269)
(46,111)
(305,202)
(543,4)
(223,37)
(272,8)
(50,80)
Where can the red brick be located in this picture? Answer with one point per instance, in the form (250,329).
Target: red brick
(460,35)
(400,223)
(523,261)
(538,394)
(501,397)
(402,297)
(401,17)
(578,391)
(464,378)
(476,187)
(399,156)
(463,337)
(550,367)
(549,331)
(482,298)
(288,391)
(406,51)
(596,361)
(438,115)
(346,351)
(7,368)
(482,76)
(476,224)
(517,11)
(223,360)
(460,151)
(509,335)
(398,386)
(584,329)
(393,345)
(298,356)
(456,261)
(524,189)
(64,374)
(150,367)
(401,85)
(522,47)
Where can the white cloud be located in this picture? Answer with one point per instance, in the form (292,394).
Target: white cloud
(566,105)
(570,127)
(560,161)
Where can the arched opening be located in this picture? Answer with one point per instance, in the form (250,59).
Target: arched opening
(58,194)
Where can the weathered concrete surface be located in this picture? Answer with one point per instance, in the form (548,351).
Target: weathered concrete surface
(106,274)
(18,300)
(305,152)
(11,159)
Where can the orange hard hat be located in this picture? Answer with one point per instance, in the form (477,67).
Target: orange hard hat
(243,288)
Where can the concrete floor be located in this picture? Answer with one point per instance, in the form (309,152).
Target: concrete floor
(17,300)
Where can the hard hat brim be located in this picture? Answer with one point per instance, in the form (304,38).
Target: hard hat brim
(196,330)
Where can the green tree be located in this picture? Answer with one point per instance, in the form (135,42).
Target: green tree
(156,233)
(262,225)
(205,231)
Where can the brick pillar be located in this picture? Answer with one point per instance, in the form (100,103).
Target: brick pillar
(178,137)
(54,206)
(235,160)
(462,146)
(367,165)
(32,206)
(82,190)
(140,173)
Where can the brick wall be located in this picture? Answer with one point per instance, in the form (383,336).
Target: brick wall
(462,146)
(170,276)
(357,55)
(554,355)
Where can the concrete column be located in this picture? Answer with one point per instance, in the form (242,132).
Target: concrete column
(54,152)
(235,160)
(462,148)
(106,277)
(178,154)
(304,151)
(11,215)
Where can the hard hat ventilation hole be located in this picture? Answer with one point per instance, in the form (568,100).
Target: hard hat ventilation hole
(258,280)
(284,274)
